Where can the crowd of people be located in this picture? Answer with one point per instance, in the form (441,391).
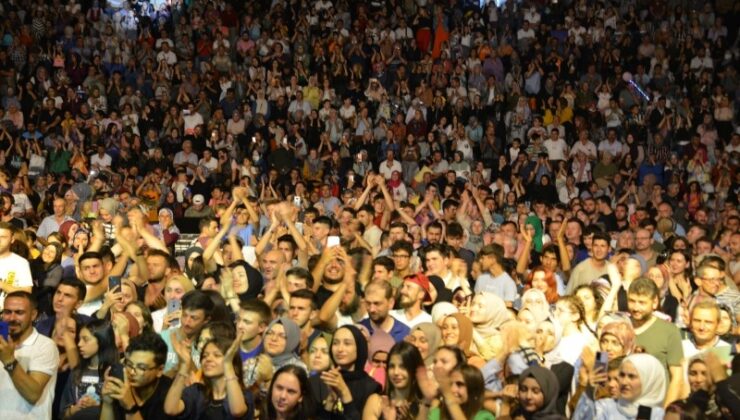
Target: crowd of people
(393,209)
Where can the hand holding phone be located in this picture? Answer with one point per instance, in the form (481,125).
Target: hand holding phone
(4,330)
(114,282)
(174,305)
(116,371)
(332,241)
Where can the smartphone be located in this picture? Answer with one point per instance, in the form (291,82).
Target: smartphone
(116,371)
(254,139)
(174,305)
(351,178)
(644,412)
(602,360)
(4,330)
(113,282)
(332,241)
(297,201)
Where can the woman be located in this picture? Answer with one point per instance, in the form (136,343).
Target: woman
(341,392)
(287,397)
(221,395)
(668,304)
(397,188)
(537,395)
(46,270)
(281,341)
(402,393)
(426,337)
(141,313)
(318,359)
(544,281)
(174,289)
(97,353)
(487,312)
(457,330)
(642,382)
(592,301)
(462,396)
(535,300)
(575,335)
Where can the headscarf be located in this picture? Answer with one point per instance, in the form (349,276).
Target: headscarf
(728,394)
(64,229)
(548,383)
(536,223)
(465,332)
(292,340)
(623,332)
(538,304)
(443,293)
(380,341)
(653,381)
(394,184)
(327,337)
(361,346)
(442,310)
(495,313)
(434,337)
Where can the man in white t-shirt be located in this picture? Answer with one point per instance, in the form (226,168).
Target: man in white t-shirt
(101,160)
(557,148)
(29,363)
(15,273)
(414,292)
(389,166)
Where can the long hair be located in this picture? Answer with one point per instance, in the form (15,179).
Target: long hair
(552,289)
(304,408)
(223,345)
(145,313)
(411,361)
(476,388)
(107,350)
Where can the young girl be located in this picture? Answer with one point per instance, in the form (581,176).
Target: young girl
(402,393)
(462,393)
(287,397)
(221,395)
(97,353)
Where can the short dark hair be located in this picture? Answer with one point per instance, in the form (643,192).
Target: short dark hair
(77,284)
(601,236)
(442,249)
(90,255)
(386,262)
(23,295)
(195,300)
(399,225)
(205,222)
(151,342)
(325,220)
(403,246)
(259,307)
(306,294)
(301,273)
(454,230)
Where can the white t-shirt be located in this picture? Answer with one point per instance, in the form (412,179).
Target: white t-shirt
(102,162)
(387,171)
(400,316)
(17,267)
(22,204)
(36,354)
(556,149)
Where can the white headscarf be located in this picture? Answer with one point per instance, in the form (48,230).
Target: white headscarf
(653,381)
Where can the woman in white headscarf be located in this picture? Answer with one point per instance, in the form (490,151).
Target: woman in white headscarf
(488,312)
(642,382)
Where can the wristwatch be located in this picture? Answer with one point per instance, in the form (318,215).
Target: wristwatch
(10,366)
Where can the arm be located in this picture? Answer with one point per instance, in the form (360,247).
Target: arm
(523,261)
(173,403)
(365,194)
(29,384)
(562,249)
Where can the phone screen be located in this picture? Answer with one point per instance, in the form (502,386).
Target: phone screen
(602,360)
(4,330)
(644,413)
(116,371)
(113,282)
(173,305)
(332,241)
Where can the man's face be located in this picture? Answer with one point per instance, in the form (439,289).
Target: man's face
(643,240)
(703,324)
(410,294)
(455,242)
(58,207)
(436,263)
(573,232)
(270,263)
(319,231)
(6,238)
(589,206)
(377,305)
(19,315)
(157,267)
(249,325)
(620,213)
(641,307)
(397,234)
(380,272)
(600,249)
(334,271)
(711,282)
(66,300)
(92,271)
(434,235)
(142,369)
(193,321)
(300,311)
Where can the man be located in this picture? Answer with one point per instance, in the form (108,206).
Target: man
(52,222)
(196,310)
(401,252)
(704,319)
(303,310)
(199,208)
(644,247)
(710,278)
(656,336)
(413,294)
(389,166)
(593,267)
(158,268)
(372,232)
(15,272)
(29,360)
(327,201)
(320,231)
(437,258)
(93,275)
(493,278)
(251,323)
(141,394)
(455,240)
(383,268)
(606,215)
(379,301)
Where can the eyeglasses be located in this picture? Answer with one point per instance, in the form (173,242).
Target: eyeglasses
(281,336)
(713,279)
(140,369)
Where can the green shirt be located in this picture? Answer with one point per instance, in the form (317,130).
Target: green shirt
(662,340)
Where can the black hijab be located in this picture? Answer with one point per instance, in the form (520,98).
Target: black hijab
(361,344)
(549,385)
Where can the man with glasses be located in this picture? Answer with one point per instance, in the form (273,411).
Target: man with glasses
(401,252)
(710,278)
(140,395)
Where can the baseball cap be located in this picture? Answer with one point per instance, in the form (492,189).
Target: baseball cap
(422,281)
(198,199)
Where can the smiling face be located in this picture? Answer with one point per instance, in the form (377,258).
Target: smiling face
(450,331)
(397,373)
(212,361)
(531,397)
(275,340)
(698,376)
(419,340)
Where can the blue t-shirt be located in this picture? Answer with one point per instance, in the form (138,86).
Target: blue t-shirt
(502,286)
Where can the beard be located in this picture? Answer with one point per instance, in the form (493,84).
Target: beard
(350,308)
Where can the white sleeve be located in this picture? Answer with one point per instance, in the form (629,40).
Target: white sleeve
(46,359)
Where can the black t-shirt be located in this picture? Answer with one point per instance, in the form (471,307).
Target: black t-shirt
(153,408)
